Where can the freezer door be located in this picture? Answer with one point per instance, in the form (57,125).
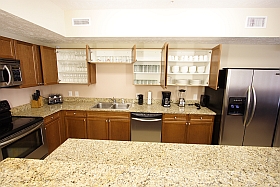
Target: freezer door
(232,127)
(267,89)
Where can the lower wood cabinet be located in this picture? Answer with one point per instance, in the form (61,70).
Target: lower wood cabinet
(53,131)
(174,128)
(76,125)
(192,129)
(108,125)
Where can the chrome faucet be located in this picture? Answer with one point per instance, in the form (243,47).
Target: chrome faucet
(114,100)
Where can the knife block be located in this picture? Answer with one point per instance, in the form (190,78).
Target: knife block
(37,104)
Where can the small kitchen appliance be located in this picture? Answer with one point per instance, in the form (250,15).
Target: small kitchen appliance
(166,98)
(181,98)
(140,99)
(55,99)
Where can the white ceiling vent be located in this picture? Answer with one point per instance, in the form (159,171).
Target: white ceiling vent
(256,22)
(81,21)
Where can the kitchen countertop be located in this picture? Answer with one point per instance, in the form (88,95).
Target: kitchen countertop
(87,104)
(83,162)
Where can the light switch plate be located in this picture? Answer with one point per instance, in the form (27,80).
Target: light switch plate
(76,93)
(194,96)
(70,93)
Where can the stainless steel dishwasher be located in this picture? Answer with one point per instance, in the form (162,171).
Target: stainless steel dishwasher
(146,127)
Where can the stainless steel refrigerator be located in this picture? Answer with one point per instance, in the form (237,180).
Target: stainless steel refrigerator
(247,106)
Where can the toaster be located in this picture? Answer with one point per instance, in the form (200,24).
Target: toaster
(55,99)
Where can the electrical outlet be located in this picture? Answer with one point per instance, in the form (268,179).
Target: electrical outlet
(136,95)
(76,93)
(70,93)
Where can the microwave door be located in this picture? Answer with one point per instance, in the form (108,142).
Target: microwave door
(5,76)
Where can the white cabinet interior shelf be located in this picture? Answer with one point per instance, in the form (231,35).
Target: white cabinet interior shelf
(72,66)
(146,69)
(111,55)
(188,67)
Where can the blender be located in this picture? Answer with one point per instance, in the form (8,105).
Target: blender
(181,98)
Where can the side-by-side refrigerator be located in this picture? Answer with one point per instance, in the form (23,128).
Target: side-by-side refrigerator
(247,105)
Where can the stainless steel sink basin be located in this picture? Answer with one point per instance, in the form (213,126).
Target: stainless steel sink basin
(107,105)
(121,106)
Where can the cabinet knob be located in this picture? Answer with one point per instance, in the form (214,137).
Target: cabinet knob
(106,120)
(51,117)
(109,121)
(200,118)
(175,117)
(74,113)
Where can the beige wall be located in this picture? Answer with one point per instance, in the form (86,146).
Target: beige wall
(117,80)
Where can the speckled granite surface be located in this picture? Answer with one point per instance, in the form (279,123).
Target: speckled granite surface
(87,104)
(80,162)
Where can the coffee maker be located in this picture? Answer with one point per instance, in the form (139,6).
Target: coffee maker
(166,98)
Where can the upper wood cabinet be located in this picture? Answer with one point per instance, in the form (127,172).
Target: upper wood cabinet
(163,71)
(73,67)
(7,49)
(29,57)
(49,65)
(215,66)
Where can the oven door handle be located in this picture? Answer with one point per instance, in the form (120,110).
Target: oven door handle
(9,73)
(20,136)
(146,119)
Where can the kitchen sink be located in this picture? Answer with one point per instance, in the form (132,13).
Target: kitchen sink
(107,105)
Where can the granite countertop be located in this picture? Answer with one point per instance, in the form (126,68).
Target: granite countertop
(87,104)
(83,162)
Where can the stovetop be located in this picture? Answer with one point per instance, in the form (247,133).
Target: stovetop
(16,123)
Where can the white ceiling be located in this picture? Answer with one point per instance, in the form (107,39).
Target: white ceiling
(20,27)
(163,4)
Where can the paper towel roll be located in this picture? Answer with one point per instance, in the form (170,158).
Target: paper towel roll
(149,102)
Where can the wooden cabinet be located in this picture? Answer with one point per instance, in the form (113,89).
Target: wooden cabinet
(193,129)
(174,128)
(49,65)
(7,49)
(53,131)
(200,128)
(108,125)
(75,122)
(29,57)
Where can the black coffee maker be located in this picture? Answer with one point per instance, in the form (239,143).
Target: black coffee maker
(166,98)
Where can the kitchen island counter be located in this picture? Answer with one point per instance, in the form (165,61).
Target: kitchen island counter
(81,162)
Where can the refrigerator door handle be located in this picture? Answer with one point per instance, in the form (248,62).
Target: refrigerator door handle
(254,106)
(248,101)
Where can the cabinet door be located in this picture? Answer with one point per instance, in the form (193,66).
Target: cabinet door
(24,52)
(76,127)
(7,49)
(173,132)
(53,134)
(97,128)
(49,65)
(215,66)
(119,129)
(163,73)
(200,129)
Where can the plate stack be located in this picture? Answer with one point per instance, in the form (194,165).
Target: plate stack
(195,82)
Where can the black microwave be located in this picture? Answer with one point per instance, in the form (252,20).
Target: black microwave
(10,73)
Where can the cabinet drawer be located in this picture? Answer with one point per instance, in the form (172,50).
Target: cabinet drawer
(115,115)
(196,117)
(75,113)
(174,117)
(51,117)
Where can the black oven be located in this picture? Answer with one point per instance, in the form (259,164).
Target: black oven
(20,136)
